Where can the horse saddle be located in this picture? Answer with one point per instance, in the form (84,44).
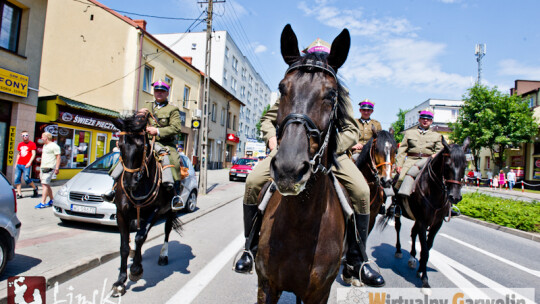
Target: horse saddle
(408,184)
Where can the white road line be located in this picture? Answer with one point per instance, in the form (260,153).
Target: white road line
(513,264)
(192,288)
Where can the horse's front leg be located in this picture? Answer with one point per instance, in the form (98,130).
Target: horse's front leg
(424,256)
(136,269)
(119,288)
(397,226)
(412,259)
(266,294)
(164,253)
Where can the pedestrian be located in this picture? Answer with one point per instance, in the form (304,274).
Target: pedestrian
(366,126)
(27,154)
(50,162)
(490,177)
(495,182)
(502,179)
(180,150)
(511,177)
(234,159)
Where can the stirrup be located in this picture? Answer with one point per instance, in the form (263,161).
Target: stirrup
(240,253)
(369,262)
(177,203)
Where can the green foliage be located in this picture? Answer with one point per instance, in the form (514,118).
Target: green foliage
(258,125)
(399,125)
(509,213)
(493,120)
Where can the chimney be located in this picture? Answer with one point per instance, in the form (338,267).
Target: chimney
(141,23)
(188,59)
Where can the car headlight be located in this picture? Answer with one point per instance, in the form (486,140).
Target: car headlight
(233,170)
(63,191)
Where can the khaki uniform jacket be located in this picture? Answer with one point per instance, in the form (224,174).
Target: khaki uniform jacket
(169,127)
(415,141)
(347,137)
(365,130)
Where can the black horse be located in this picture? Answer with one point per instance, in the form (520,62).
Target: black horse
(437,187)
(139,196)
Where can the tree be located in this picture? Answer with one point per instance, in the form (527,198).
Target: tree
(258,125)
(495,121)
(399,125)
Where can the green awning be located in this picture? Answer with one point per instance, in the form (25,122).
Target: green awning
(87,107)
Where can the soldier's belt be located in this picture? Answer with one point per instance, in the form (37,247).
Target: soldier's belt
(419,154)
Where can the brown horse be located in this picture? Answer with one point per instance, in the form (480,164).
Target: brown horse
(139,197)
(375,162)
(303,228)
(437,187)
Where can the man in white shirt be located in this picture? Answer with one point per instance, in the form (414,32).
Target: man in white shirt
(50,164)
(511,177)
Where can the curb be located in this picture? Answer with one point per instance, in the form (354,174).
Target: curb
(84,266)
(524,234)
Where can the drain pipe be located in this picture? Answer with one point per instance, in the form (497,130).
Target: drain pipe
(139,69)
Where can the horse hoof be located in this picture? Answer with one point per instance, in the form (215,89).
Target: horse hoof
(118,291)
(352,281)
(398,255)
(135,278)
(426,291)
(412,263)
(163,260)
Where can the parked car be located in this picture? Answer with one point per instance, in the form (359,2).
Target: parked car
(242,168)
(10,226)
(80,198)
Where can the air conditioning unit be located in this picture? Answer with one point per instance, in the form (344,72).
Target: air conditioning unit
(197,113)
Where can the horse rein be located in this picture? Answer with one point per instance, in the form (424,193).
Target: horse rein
(312,131)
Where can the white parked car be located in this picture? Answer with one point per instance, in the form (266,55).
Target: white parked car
(10,226)
(80,198)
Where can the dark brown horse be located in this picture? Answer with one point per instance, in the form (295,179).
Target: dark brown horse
(139,196)
(303,228)
(375,162)
(437,187)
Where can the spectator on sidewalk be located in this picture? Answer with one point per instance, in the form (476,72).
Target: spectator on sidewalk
(495,182)
(50,162)
(502,179)
(511,177)
(490,177)
(27,154)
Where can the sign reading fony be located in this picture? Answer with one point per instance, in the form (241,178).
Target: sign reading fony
(13,83)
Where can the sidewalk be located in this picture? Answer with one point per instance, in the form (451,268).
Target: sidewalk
(515,194)
(47,247)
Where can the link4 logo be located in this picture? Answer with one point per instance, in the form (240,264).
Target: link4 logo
(26,290)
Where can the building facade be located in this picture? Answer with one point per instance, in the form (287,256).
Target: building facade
(232,70)
(445,111)
(22,27)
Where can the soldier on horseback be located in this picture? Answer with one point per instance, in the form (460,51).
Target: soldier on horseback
(347,174)
(164,125)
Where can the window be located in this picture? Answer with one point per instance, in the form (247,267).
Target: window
(226,52)
(74,146)
(249,97)
(229,120)
(147,78)
(233,84)
(531,102)
(234,123)
(214,112)
(193,46)
(235,63)
(10,26)
(185,103)
(224,77)
(250,81)
(169,81)
(244,71)
(243,91)
(222,116)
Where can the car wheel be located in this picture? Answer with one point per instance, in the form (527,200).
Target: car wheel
(231,178)
(191,202)
(3,254)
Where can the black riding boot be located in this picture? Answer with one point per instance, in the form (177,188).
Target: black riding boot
(356,267)
(252,226)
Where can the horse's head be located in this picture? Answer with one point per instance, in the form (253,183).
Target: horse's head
(454,167)
(133,147)
(384,155)
(311,106)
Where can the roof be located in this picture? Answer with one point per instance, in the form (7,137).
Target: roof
(82,106)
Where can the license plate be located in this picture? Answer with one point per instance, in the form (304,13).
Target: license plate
(83,209)
(241,175)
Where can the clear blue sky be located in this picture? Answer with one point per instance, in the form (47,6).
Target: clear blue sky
(403,51)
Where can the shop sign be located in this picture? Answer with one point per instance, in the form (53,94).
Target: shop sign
(11,145)
(13,83)
(82,120)
(195,124)
(183,118)
(232,137)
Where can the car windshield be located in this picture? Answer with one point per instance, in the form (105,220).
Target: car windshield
(104,164)
(246,162)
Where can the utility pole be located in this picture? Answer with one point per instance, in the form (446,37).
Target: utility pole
(480,52)
(206,98)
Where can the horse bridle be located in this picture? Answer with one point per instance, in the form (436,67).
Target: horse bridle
(312,131)
(374,166)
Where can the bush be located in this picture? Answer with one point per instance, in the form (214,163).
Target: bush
(510,213)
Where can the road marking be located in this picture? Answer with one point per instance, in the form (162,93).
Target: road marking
(192,288)
(528,270)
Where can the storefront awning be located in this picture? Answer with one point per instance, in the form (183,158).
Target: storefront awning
(84,106)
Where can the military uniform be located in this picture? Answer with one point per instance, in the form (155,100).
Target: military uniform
(347,173)
(365,127)
(416,145)
(168,125)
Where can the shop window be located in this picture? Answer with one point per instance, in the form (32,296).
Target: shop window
(10,26)
(75,146)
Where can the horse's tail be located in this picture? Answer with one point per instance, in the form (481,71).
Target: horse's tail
(177,225)
(383,221)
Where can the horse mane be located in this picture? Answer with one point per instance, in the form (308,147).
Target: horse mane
(135,121)
(342,106)
(383,137)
